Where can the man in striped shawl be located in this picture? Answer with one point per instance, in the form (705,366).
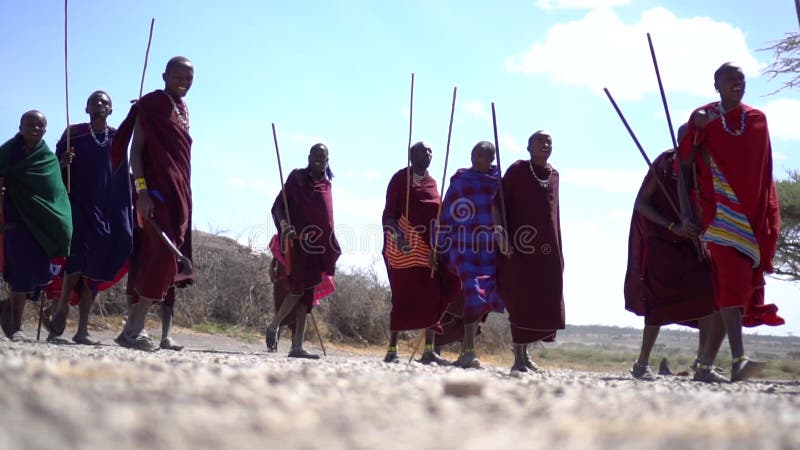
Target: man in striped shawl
(419,296)
(728,146)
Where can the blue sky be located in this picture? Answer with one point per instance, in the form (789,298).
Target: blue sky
(339,72)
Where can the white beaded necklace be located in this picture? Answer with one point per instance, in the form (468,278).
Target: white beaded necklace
(105,136)
(738,132)
(183,116)
(543,183)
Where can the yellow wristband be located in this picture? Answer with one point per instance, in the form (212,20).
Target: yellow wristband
(140,185)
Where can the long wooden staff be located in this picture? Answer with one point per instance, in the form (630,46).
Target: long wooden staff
(644,155)
(288,249)
(797,8)
(701,253)
(146,56)
(408,151)
(499,171)
(68,146)
(66,89)
(444,176)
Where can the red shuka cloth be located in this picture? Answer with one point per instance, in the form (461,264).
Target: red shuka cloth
(316,250)
(166,161)
(418,300)
(746,162)
(665,280)
(531,281)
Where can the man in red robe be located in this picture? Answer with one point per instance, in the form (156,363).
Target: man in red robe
(531,280)
(419,296)
(311,248)
(728,147)
(667,281)
(161,166)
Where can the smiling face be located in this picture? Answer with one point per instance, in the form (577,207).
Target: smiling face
(178,76)
(318,159)
(730,82)
(32,127)
(98,106)
(540,146)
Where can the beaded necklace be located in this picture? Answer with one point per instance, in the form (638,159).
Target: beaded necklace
(738,132)
(543,183)
(183,115)
(105,137)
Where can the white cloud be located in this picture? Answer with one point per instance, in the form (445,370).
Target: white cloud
(580,4)
(600,50)
(509,145)
(608,180)
(782,115)
(476,109)
(372,175)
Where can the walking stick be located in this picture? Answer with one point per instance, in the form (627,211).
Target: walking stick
(408,151)
(146,55)
(500,173)
(444,175)
(41,313)
(314,322)
(698,247)
(644,155)
(66,89)
(797,8)
(416,347)
(288,251)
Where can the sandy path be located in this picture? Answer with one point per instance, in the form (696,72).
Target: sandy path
(239,397)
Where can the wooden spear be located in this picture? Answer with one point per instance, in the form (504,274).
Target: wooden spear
(408,149)
(444,176)
(499,171)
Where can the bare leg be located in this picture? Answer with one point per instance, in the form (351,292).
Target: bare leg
(167,314)
(84,309)
(429,356)
(58,321)
(136,332)
(519,359)
(297,351)
(272,329)
(741,367)
(649,336)
(391,352)
(17,303)
(641,368)
(467,359)
(714,335)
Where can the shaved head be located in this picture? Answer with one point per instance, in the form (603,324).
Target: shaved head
(537,133)
(724,68)
(178,61)
(32,114)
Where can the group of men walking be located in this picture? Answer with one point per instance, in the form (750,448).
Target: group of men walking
(703,233)
(70,215)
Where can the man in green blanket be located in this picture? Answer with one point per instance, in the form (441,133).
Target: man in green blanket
(36,217)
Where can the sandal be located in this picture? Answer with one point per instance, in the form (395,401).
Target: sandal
(84,339)
(746,369)
(169,344)
(430,357)
(302,353)
(642,372)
